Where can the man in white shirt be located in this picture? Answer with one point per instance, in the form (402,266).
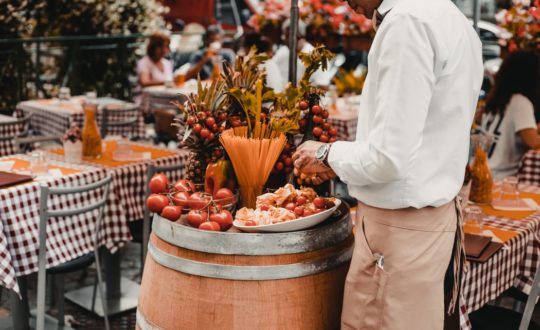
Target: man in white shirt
(407,163)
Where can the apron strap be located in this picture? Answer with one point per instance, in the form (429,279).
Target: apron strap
(460,261)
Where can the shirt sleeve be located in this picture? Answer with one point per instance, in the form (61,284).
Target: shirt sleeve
(402,94)
(522,111)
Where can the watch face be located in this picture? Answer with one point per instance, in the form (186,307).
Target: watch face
(321,152)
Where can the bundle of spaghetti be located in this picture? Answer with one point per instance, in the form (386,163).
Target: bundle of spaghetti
(253,155)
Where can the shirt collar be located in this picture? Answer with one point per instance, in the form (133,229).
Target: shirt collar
(386,6)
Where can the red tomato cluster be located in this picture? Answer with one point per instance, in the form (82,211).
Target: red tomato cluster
(285,162)
(322,130)
(205,210)
(205,125)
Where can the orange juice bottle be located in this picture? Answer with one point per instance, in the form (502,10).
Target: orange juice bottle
(481,178)
(91,139)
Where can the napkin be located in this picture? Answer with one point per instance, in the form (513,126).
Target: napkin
(6,165)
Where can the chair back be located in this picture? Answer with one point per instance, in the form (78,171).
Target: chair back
(127,115)
(24,144)
(45,213)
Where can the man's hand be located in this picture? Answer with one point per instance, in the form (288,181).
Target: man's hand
(306,162)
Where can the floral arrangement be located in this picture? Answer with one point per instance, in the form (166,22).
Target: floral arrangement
(73,134)
(334,16)
(319,15)
(521,24)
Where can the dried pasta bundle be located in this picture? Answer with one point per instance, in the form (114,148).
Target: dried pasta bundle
(253,155)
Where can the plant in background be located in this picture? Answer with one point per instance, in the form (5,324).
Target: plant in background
(15,62)
(521,24)
(348,82)
(204,118)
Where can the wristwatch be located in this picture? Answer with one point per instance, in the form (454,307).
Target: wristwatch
(322,153)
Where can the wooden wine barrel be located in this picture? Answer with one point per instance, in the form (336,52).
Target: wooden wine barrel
(197,279)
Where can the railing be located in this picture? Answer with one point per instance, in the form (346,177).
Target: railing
(37,67)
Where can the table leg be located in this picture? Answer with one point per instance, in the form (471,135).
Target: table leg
(112,274)
(20,311)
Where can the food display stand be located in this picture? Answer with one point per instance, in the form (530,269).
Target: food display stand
(197,279)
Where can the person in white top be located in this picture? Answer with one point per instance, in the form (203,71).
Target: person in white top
(407,164)
(154,69)
(509,116)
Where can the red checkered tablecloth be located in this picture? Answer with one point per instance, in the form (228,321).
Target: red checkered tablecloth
(54,117)
(67,238)
(511,266)
(8,147)
(529,170)
(161,97)
(346,124)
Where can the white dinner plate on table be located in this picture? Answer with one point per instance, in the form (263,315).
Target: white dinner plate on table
(292,225)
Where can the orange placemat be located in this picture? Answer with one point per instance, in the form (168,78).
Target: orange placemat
(517,215)
(22,165)
(503,235)
(107,157)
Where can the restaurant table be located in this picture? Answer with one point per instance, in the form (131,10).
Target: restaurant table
(8,147)
(346,123)
(513,265)
(129,177)
(55,117)
(161,97)
(67,238)
(529,170)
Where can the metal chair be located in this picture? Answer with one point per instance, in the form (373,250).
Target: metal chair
(23,144)
(130,111)
(497,317)
(77,264)
(147,221)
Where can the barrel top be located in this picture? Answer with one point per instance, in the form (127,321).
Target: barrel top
(331,232)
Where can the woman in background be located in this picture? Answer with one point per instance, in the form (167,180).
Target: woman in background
(509,114)
(154,69)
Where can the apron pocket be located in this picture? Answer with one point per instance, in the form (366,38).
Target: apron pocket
(365,289)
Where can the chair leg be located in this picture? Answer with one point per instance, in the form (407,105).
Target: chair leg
(59,282)
(41,291)
(94,293)
(101,291)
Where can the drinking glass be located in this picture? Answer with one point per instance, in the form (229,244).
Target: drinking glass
(472,216)
(64,94)
(38,165)
(510,191)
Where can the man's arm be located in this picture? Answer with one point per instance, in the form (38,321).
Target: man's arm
(197,60)
(403,93)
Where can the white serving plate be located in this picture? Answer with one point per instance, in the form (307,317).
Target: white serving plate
(293,225)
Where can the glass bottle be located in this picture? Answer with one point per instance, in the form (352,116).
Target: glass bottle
(91,138)
(481,178)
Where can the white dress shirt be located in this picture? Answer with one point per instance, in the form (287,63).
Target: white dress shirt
(417,107)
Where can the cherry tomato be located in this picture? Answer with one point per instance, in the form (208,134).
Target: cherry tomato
(171,212)
(250,223)
(301,200)
(156,203)
(191,120)
(303,105)
(332,140)
(197,128)
(210,121)
(222,116)
(288,161)
(158,183)
(299,211)
(210,137)
(224,218)
(195,218)
(198,201)
(317,131)
(326,126)
(324,138)
(201,115)
(185,185)
(264,207)
(318,119)
(181,198)
(290,206)
(332,131)
(205,132)
(325,114)
(316,109)
(307,212)
(279,166)
(224,196)
(210,226)
(319,202)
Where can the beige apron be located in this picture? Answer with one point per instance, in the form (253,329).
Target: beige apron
(396,278)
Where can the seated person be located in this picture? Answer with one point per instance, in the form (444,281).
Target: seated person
(274,79)
(202,61)
(154,69)
(509,115)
